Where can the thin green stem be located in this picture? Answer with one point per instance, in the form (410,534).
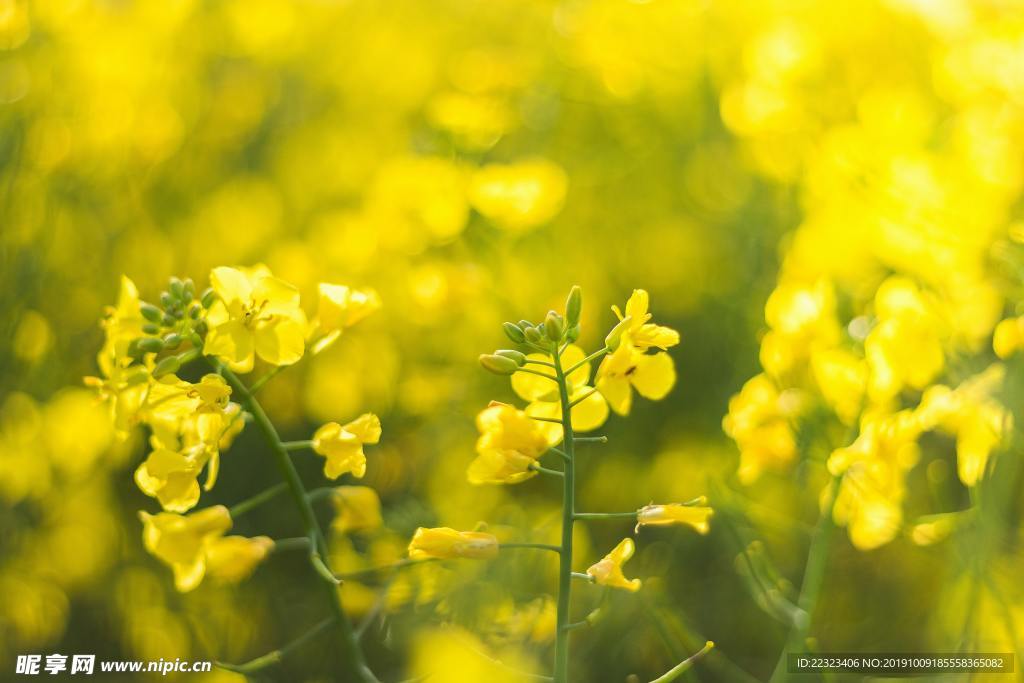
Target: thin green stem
(555,420)
(545,470)
(591,439)
(536,546)
(582,398)
(606,515)
(352,655)
(286,544)
(538,373)
(568,517)
(595,354)
(255,386)
(255,501)
(534,361)
(583,577)
(814,577)
(296,445)
(380,569)
(575,625)
(684,666)
(274,657)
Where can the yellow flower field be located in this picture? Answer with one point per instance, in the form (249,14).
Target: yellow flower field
(571,340)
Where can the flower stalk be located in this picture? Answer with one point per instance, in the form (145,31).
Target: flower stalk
(568,517)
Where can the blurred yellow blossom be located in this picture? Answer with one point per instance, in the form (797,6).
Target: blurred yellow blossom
(519,196)
(760,421)
(694,516)
(445,543)
(234,558)
(356,508)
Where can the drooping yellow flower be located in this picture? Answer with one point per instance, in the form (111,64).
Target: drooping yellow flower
(759,420)
(608,572)
(180,541)
(256,314)
(445,543)
(542,394)
(642,333)
(979,422)
(510,441)
(519,196)
(904,349)
(343,445)
(695,516)
(1008,337)
(356,508)
(234,558)
(339,308)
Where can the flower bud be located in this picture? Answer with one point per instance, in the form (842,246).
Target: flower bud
(194,311)
(615,336)
(532,335)
(499,365)
(519,358)
(554,326)
(151,312)
(523,324)
(176,288)
(166,366)
(573,306)
(573,333)
(513,332)
(209,296)
(166,300)
(172,341)
(150,345)
(190,289)
(150,328)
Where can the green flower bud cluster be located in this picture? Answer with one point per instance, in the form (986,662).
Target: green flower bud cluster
(555,329)
(176,325)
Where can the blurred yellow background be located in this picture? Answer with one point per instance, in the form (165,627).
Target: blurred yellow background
(471,161)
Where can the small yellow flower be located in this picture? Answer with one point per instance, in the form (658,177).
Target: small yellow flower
(343,445)
(509,443)
(842,379)
(801,318)
(642,333)
(172,476)
(1008,337)
(542,394)
(445,544)
(212,393)
(256,314)
(608,572)
(339,308)
(234,558)
(695,516)
(180,541)
(628,368)
(357,508)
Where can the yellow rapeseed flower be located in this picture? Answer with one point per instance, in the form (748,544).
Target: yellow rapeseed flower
(608,571)
(510,441)
(642,333)
(339,308)
(445,543)
(759,420)
(1008,337)
(628,368)
(343,445)
(519,196)
(180,541)
(256,314)
(234,558)
(695,516)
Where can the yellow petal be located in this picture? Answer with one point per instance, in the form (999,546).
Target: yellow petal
(617,392)
(281,342)
(231,341)
(654,375)
(231,285)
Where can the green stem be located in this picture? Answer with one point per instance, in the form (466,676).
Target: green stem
(583,577)
(260,498)
(296,445)
(683,666)
(591,439)
(271,658)
(535,546)
(568,517)
(265,378)
(545,470)
(286,544)
(595,354)
(352,655)
(538,373)
(606,515)
(814,578)
(393,567)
